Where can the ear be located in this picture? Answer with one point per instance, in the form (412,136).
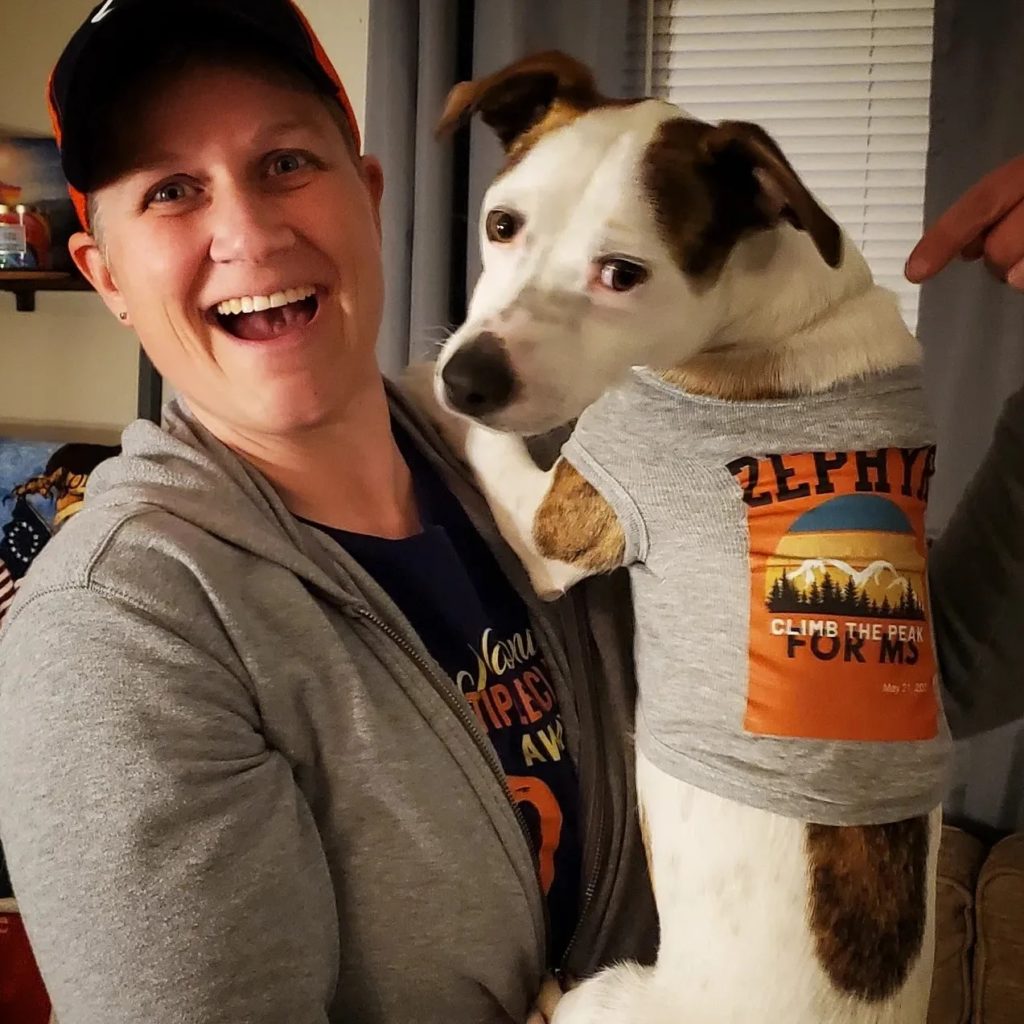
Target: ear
(520,96)
(782,195)
(88,257)
(372,173)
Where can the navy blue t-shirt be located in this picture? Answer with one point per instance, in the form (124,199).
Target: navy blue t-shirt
(450,588)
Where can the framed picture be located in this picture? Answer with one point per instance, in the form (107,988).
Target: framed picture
(31,175)
(42,483)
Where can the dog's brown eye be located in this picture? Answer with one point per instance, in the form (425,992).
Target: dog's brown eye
(503,226)
(622,275)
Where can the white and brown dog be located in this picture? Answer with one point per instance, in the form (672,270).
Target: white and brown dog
(622,235)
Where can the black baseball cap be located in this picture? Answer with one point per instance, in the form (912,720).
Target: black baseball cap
(88,67)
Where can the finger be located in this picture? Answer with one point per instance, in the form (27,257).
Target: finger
(550,994)
(969,217)
(974,249)
(1015,277)
(536,1018)
(1004,244)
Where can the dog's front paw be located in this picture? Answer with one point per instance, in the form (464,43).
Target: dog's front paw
(417,384)
(552,579)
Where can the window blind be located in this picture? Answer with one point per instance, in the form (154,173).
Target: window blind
(842,85)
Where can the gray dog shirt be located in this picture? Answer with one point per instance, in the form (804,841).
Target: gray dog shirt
(778,561)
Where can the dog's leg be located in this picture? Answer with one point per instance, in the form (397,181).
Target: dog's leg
(555,521)
(557,524)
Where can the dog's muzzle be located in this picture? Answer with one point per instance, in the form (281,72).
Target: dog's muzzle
(478,379)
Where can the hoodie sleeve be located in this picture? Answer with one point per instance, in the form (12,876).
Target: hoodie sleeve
(977,588)
(165,862)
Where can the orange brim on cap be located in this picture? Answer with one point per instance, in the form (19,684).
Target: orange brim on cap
(325,62)
(78,199)
(338,92)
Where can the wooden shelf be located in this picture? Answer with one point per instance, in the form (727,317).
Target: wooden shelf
(25,283)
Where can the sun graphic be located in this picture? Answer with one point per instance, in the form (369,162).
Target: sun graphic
(853,555)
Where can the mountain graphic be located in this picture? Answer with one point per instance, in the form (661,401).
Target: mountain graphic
(853,555)
(811,568)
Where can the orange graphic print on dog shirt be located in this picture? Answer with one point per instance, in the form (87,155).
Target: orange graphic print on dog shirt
(840,641)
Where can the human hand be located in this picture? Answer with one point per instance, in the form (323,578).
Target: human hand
(986,221)
(547,1000)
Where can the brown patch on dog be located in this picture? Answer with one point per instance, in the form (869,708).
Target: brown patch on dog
(710,185)
(868,903)
(560,114)
(754,377)
(526,100)
(519,96)
(575,524)
(783,195)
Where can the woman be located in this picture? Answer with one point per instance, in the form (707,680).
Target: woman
(283,734)
(238,779)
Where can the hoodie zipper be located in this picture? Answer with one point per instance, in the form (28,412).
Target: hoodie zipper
(464,715)
(598,804)
(588,893)
(488,751)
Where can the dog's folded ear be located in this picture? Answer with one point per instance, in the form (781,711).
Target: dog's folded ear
(522,95)
(782,195)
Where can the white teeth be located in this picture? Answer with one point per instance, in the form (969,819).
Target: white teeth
(258,303)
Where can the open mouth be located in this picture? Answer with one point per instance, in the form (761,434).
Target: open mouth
(267,317)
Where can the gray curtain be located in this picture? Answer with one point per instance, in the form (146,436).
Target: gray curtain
(411,66)
(429,227)
(971,326)
(594,31)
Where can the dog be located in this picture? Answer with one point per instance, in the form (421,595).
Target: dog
(750,440)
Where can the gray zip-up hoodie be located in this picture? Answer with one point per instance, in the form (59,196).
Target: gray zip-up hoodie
(235,787)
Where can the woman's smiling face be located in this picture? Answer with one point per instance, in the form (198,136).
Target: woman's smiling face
(241,237)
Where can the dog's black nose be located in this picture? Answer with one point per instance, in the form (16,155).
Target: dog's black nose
(478,379)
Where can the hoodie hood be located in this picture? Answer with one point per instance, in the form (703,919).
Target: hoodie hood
(182,469)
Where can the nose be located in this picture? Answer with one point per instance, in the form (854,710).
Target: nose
(246,228)
(479,379)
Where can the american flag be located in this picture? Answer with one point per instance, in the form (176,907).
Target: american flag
(7,588)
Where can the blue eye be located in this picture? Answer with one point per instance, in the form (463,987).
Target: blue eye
(288,163)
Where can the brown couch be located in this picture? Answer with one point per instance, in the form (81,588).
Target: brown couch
(979,955)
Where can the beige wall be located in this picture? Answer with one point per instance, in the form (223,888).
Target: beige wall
(342,26)
(69,362)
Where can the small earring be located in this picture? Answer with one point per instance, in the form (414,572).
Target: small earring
(122,316)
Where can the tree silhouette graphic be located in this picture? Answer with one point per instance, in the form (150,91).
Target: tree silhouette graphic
(832,598)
